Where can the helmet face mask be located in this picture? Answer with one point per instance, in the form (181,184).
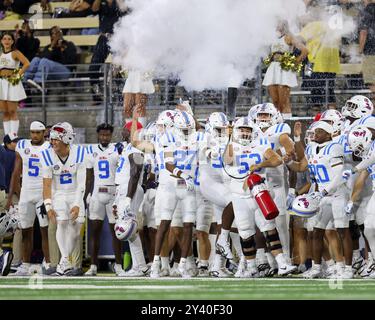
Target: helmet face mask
(243,135)
(264,120)
(309,136)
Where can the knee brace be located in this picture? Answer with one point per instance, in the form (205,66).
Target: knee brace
(273,241)
(248,246)
(354,230)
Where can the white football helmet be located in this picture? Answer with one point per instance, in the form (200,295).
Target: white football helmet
(279,117)
(126,227)
(334,118)
(62,131)
(148,133)
(327,127)
(266,116)
(359,139)
(357,107)
(217,123)
(306,205)
(253,112)
(309,135)
(240,136)
(186,105)
(8,224)
(184,124)
(165,120)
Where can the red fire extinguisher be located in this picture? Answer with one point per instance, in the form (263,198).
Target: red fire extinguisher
(262,196)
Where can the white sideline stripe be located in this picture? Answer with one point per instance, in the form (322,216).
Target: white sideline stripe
(85,286)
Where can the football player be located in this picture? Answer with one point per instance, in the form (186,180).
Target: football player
(325,163)
(64,176)
(270,122)
(129,196)
(29,165)
(101,166)
(246,154)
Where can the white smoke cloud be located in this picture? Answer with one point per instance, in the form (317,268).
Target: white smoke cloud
(206,43)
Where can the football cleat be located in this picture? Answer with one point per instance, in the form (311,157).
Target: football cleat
(134,272)
(203,271)
(251,273)
(92,271)
(117,268)
(64,267)
(286,269)
(221,273)
(164,272)
(23,270)
(368,270)
(314,273)
(5,262)
(174,272)
(358,264)
(155,269)
(223,247)
(183,270)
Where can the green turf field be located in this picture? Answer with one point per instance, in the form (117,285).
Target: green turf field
(110,287)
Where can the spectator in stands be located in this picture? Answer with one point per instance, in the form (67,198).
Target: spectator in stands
(367,44)
(54,60)
(26,42)
(109,13)
(323,44)
(77,8)
(21,7)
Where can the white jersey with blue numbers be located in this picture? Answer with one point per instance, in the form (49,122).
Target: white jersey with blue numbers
(320,161)
(31,155)
(213,168)
(123,167)
(163,143)
(104,162)
(63,172)
(243,158)
(186,153)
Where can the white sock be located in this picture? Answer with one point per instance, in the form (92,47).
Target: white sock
(61,236)
(236,243)
(142,121)
(330,262)
(212,238)
(6,125)
(73,236)
(224,234)
(203,263)
(182,261)
(175,265)
(165,263)
(156,258)
(251,264)
(280,260)
(271,260)
(283,232)
(356,254)
(261,255)
(369,256)
(14,125)
(340,264)
(136,251)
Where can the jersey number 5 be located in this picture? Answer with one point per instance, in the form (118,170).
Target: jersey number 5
(33,167)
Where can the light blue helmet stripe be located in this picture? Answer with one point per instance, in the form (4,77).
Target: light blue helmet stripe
(186,117)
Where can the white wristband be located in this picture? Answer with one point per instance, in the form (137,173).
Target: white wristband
(47,201)
(283,151)
(289,162)
(297,139)
(176,171)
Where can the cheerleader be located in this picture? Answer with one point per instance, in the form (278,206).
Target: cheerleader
(278,80)
(11,89)
(137,86)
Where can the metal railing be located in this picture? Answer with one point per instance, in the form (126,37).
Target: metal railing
(102,91)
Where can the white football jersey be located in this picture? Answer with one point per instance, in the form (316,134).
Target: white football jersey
(186,153)
(32,175)
(278,175)
(211,167)
(123,167)
(320,159)
(163,143)
(104,162)
(63,173)
(244,158)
